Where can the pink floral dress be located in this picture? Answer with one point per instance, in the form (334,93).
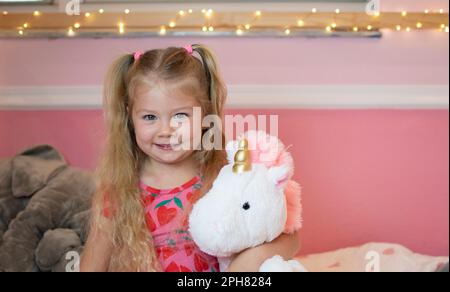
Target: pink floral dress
(168,224)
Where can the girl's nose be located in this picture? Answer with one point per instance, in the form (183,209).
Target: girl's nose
(165,130)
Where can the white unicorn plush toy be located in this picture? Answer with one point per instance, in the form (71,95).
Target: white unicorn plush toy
(252,201)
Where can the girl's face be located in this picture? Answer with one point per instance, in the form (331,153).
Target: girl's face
(163,124)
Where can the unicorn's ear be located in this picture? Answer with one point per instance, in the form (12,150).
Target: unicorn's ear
(231,149)
(280,175)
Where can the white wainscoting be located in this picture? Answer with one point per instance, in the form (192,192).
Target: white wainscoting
(251,96)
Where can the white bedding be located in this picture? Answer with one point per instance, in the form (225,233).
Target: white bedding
(372,257)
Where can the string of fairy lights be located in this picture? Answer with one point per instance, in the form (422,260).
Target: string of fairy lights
(241,29)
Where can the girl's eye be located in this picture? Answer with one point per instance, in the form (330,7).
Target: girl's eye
(181,115)
(149,117)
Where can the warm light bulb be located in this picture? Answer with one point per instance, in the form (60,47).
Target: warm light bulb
(333,25)
(404,13)
(287,31)
(205,29)
(181,12)
(36,13)
(300,23)
(239,31)
(355,29)
(258,13)
(101,11)
(121,30)
(408,29)
(446,29)
(247,26)
(77,25)
(441,11)
(427,11)
(70,32)
(337,11)
(314,10)
(25,25)
(328,29)
(398,28)
(443,26)
(190,11)
(211,28)
(5,12)
(172,24)
(377,14)
(21,32)
(162,31)
(87,14)
(419,25)
(369,27)
(127,11)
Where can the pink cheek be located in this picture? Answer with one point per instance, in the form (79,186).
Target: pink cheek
(145,136)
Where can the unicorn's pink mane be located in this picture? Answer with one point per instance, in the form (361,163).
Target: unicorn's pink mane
(270,151)
(294,207)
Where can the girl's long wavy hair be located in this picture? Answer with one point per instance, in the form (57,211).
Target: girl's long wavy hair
(118,172)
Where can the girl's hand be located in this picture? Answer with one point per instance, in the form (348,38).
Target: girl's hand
(249,260)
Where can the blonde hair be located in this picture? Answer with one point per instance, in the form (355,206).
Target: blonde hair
(118,171)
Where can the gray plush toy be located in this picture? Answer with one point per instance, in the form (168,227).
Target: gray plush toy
(44,210)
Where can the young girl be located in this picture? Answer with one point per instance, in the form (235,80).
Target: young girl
(146,185)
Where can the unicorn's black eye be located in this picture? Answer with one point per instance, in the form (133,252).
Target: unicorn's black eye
(246,206)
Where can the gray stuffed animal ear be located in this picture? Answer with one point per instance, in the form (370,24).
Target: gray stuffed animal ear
(46,152)
(9,206)
(20,163)
(33,168)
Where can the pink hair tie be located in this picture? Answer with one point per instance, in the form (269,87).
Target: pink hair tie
(137,55)
(189,49)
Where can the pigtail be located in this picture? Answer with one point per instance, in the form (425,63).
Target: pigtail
(115,103)
(115,95)
(217,90)
(212,161)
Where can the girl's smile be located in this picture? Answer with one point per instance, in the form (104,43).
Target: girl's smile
(167,147)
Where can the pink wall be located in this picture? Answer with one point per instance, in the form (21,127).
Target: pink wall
(397,58)
(366,175)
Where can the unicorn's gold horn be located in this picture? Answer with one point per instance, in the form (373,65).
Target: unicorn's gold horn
(242,161)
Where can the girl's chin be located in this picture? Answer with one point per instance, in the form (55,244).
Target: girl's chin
(169,157)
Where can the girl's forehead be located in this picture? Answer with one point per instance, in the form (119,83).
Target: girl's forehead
(158,95)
